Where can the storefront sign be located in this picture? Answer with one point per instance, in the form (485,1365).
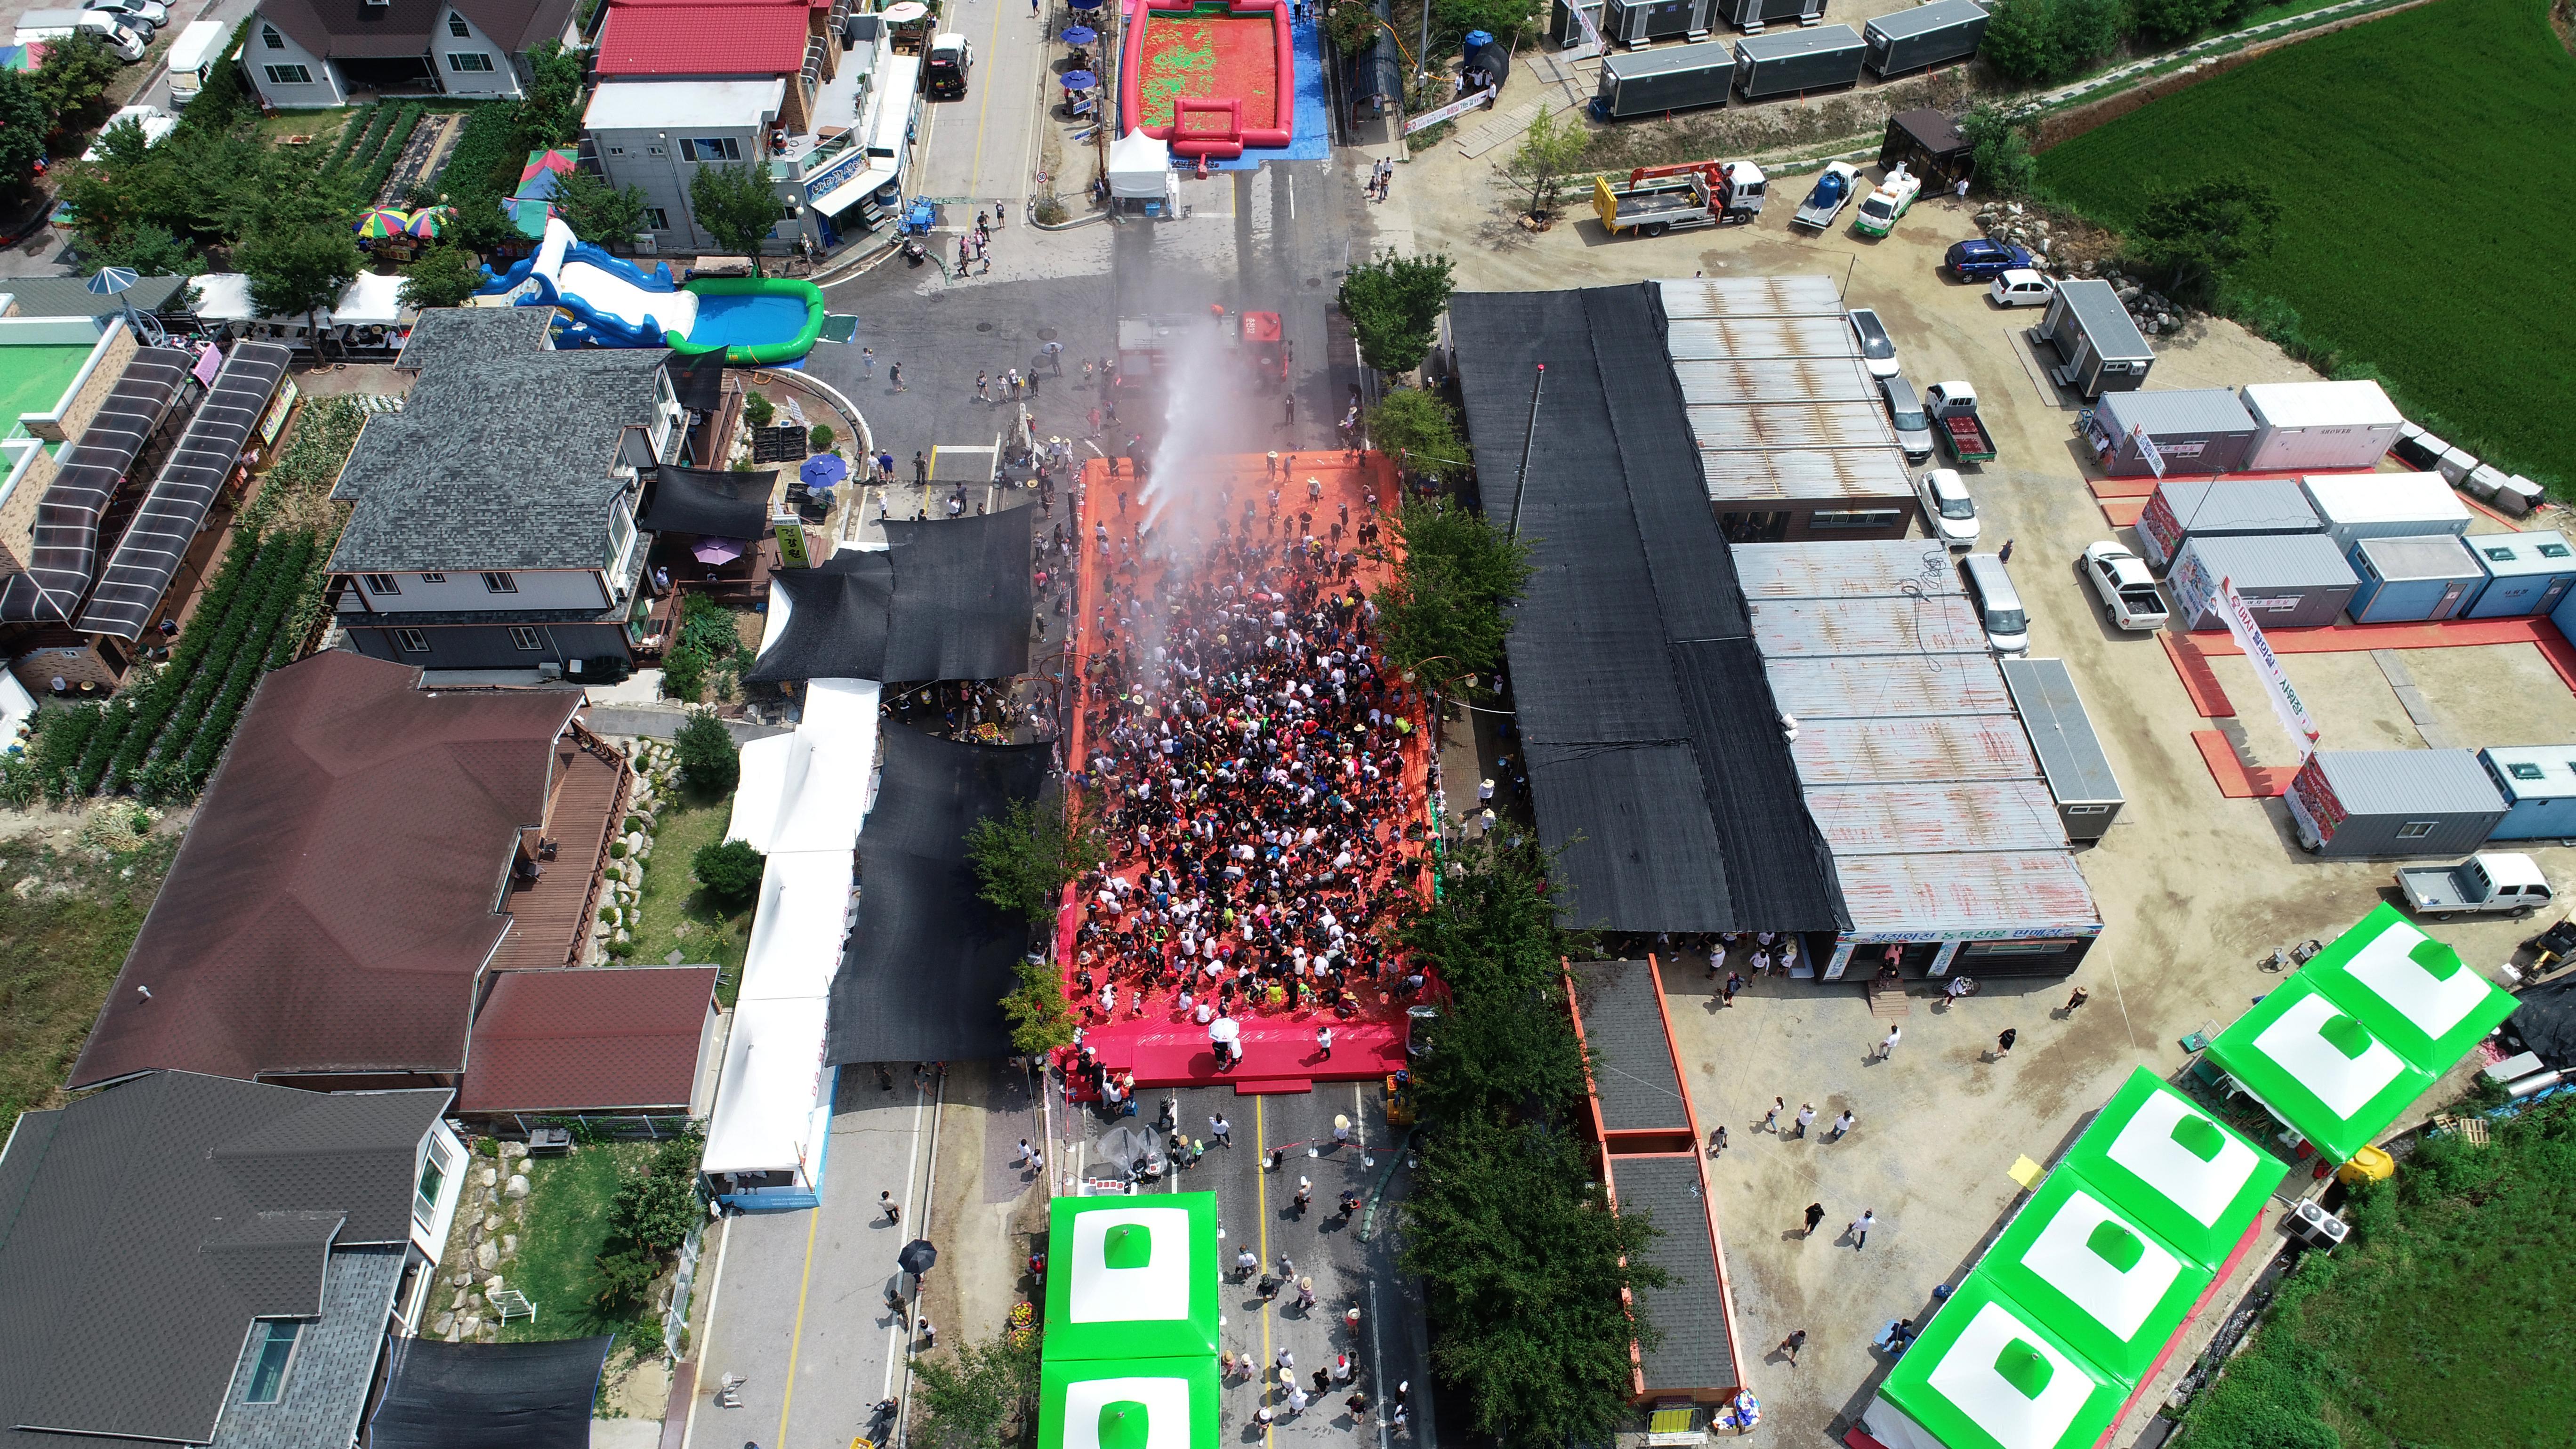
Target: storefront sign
(2267,666)
(2147,449)
(287,394)
(1455,108)
(839,171)
(791,541)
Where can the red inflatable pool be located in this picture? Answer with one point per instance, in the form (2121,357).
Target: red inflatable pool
(1211,78)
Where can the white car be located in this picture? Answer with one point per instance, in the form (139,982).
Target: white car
(1877,349)
(2128,591)
(1947,508)
(2021,288)
(141,16)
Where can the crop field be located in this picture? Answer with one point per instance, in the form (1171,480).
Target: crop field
(2427,234)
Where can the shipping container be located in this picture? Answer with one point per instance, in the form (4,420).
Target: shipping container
(1798,63)
(1935,819)
(1926,143)
(1923,37)
(1751,16)
(2527,573)
(1566,30)
(2099,349)
(1657,82)
(2538,783)
(2027,913)
(1643,22)
(2355,506)
(1883,569)
(1775,380)
(1893,686)
(1801,294)
(2419,579)
(2393,802)
(2287,580)
(2181,510)
(2319,425)
(2071,759)
(2417,448)
(2194,430)
(1794,628)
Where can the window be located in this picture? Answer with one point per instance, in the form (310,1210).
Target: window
(433,578)
(457,27)
(1852,518)
(2415,829)
(790,210)
(468,60)
(433,1176)
(382,584)
(711,148)
(288,75)
(656,219)
(525,640)
(276,1350)
(616,150)
(500,584)
(654,150)
(2523,771)
(269,37)
(2088,809)
(412,641)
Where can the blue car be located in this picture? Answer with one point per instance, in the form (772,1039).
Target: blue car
(1977,259)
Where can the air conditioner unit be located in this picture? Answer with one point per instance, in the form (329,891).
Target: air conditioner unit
(2314,1226)
(645,243)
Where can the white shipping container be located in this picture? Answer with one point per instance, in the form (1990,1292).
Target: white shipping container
(2355,506)
(2303,425)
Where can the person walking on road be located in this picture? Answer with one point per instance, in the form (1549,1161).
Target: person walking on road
(1806,1114)
(2004,1043)
(867,362)
(1734,984)
(1244,1263)
(1222,1131)
(1796,1340)
(1842,1127)
(894,1210)
(1860,1230)
(1771,1119)
(1887,1043)
(920,469)
(2004,554)
(1324,1041)
(983,387)
(2077,999)
(894,374)
(929,1334)
(1815,1215)
(1717,1140)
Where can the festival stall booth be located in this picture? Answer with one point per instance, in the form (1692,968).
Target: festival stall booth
(1131,1323)
(1988,1374)
(1166,1403)
(1141,179)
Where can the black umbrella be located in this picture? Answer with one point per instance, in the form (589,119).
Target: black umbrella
(917,1256)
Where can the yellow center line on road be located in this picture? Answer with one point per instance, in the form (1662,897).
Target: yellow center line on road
(1261,1202)
(984,108)
(796,1340)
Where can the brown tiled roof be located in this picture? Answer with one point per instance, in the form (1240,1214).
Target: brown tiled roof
(584,1039)
(337,895)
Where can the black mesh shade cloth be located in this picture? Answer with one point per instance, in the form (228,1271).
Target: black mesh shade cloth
(1655,754)
(698,380)
(488,1395)
(702,501)
(923,976)
(946,599)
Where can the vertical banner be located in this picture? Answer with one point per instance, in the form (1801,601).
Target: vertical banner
(790,532)
(2267,667)
(2147,450)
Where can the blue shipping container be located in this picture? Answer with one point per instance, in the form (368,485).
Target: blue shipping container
(2538,783)
(2430,576)
(2527,573)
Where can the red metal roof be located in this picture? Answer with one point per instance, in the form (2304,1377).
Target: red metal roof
(588,1039)
(338,893)
(703,37)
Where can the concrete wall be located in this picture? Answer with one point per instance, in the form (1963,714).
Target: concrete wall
(444,43)
(489,646)
(539,589)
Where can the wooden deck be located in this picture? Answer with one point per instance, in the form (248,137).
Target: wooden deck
(551,914)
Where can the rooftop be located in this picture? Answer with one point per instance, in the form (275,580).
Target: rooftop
(360,29)
(473,336)
(71,296)
(35,375)
(648,105)
(589,1039)
(753,38)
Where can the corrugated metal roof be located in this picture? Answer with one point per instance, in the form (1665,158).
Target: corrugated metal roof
(1927,819)
(2272,504)
(2418,557)
(2182,412)
(1791,425)
(1810,628)
(1859,751)
(2383,498)
(2061,733)
(2273,561)
(1808,296)
(2097,308)
(1738,475)
(2360,403)
(1860,569)
(1924,19)
(1989,891)
(1776,379)
(2409,782)
(2508,555)
(1892,686)
(2556,764)
(1784,45)
(1716,339)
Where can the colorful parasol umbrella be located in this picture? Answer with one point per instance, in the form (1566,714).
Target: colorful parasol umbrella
(383,221)
(1079,80)
(717,550)
(431,221)
(537,177)
(904,12)
(824,470)
(1084,4)
(1080,35)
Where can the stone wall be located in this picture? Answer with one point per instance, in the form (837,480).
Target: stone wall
(489,1218)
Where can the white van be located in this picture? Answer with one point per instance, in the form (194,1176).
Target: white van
(36,25)
(1999,608)
(194,56)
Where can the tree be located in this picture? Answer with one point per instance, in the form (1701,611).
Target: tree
(1552,147)
(729,871)
(1442,614)
(551,115)
(1353,26)
(988,1396)
(1420,429)
(2169,21)
(150,251)
(1027,856)
(596,211)
(1394,305)
(24,120)
(1040,1019)
(443,276)
(709,762)
(738,204)
(2018,39)
(2083,31)
(299,269)
(2001,147)
(74,77)
(1501,18)
(656,1211)
(2192,236)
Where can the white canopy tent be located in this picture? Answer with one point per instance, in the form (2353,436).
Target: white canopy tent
(809,789)
(797,931)
(773,1112)
(1140,169)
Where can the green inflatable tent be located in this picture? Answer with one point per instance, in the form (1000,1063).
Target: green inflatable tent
(2318,1068)
(1144,1403)
(2095,1274)
(1132,1278)
(2413,992)
(2190,1179)
(1989,1373)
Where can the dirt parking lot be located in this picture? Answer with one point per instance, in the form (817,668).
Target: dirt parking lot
(2193,888)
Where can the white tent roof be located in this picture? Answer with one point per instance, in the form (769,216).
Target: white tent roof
(810,789)
(2388,970)
(2346,1084)
(1969,1377)
(767,1116)
(370,301)
(797,931)
(2148,1146)
(2077,1253)
(1139,165)
(1159,1288)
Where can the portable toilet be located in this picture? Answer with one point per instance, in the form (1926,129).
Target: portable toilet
(2538,783)
(2428,577)
(2527,573)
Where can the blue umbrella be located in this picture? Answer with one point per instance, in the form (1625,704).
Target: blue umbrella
(1084,4)
(823,470)
(1079,80)
(108,281)
(1080,35)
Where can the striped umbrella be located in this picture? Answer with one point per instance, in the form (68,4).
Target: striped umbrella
(383,221)
(431,221)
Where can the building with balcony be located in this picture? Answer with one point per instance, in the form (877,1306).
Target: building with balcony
(327,52)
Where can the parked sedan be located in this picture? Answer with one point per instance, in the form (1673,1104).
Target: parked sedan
(1947,508)
(1877,349)
(2127,590)
(140,16)
(1977,259)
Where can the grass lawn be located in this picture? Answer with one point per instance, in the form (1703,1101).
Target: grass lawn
(60,948)
(567,1227)
(2422,236)
(676,916)
(2446,1321)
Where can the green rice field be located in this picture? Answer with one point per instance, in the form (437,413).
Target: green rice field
(2428,234)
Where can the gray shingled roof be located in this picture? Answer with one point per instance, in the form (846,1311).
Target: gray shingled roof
(1696,1351)
(71,296)
(497,464)
(153,1221)
(1633,1076)
(474,336)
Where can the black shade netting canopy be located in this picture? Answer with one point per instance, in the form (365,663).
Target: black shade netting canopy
(923,976)
(945,599)
(703,501)
(488,1395)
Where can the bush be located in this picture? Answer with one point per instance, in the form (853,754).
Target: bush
(729,872)
(2004,164)
(1394,305)
(709,760)
(756,410)
(818,439)
(1353,26)
(1050,211)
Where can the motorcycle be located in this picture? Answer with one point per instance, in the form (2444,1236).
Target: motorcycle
(913,255)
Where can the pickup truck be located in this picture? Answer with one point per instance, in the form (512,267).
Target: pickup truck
(1657,199)
(1953,408)
(1833,192)
(2484,884)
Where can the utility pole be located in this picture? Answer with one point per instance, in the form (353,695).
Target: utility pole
(1529,439)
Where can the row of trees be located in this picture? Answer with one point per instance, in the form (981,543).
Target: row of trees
(59,98)
(2053,40)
